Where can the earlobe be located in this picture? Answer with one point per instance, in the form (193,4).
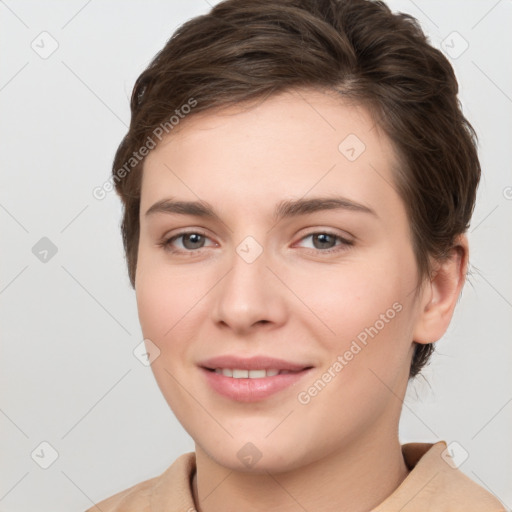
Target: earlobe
(440,294)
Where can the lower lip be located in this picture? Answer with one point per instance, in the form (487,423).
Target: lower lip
(251,390)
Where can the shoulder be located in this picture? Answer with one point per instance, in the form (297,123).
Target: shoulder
(435,482)
(134,498)
(456,489)
(171,486)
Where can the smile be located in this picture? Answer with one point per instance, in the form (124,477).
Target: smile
(251,379)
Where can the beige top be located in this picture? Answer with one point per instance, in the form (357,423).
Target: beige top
(431,485)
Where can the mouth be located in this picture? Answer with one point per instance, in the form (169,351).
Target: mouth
(251,379)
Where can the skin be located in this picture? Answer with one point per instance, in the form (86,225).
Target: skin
(340,451)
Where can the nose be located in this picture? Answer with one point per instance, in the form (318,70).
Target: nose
(249,296)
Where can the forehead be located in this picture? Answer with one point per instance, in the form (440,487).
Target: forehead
(284,146)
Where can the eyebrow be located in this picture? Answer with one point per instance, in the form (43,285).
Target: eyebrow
(284,209)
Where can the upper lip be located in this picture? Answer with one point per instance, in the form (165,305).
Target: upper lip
(252,363)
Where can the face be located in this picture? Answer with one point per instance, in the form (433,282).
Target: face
(276,241)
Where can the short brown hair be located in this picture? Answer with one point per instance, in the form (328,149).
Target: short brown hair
(244,50)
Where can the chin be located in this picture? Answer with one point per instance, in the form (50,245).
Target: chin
(258,454)
(251,459)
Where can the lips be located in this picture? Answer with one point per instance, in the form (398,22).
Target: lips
(251,379)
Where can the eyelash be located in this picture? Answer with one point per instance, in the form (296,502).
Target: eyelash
(166,243)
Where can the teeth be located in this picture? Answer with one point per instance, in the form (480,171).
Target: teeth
(257,374)
(248,374)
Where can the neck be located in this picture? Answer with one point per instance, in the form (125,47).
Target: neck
(356,478)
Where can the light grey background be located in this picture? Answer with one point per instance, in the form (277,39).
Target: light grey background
(69,325)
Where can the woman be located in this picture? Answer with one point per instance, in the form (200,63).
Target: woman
(297,181)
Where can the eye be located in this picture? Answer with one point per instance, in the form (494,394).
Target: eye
(324,241)
(191,241)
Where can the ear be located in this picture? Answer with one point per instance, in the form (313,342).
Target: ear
(440,294)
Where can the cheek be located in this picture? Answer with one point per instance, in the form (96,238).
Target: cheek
(165,303)
(369,310)
(352,296)
(173,304)
(165,296)
(366,310)
(155,308)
